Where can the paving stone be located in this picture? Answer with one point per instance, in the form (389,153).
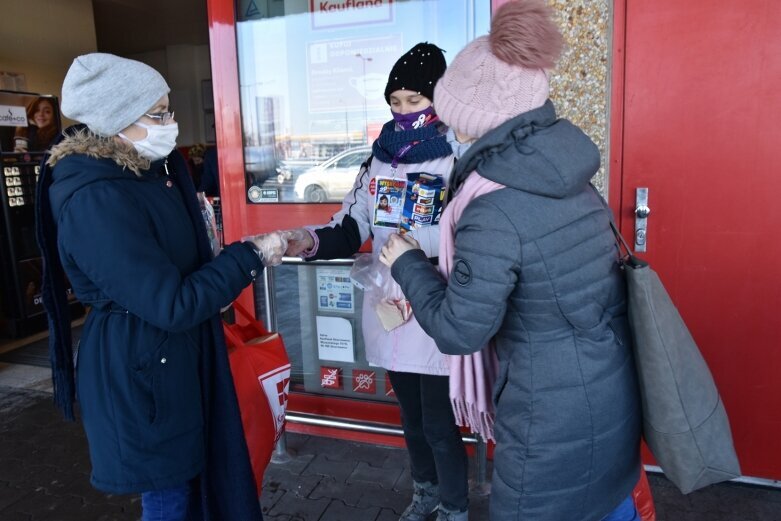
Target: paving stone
(296,465)
(397,459)
(325,466)
(82,512)
(404,481)
(22,472)
(385,478)
(281,517)
(44,475)
(388,515)
(764,510)
(384,498)
(350,494)
(335,449)
(40,505)
(338,511)
(704,501)
(296,507)
(301,486)
(271,494)
(295,442)
(10,494)
(373,454)
(16,516)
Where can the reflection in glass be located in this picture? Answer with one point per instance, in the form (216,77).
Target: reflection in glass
(304,297)
(312,80)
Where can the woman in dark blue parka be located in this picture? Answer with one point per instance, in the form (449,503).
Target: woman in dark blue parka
(118,213)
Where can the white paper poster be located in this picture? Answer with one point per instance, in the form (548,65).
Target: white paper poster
(351,73)
(335,339)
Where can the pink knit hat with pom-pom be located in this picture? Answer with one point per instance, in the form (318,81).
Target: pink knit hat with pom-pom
(499,76)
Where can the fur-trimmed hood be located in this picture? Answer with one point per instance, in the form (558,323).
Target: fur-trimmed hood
(86,143)
(82,158)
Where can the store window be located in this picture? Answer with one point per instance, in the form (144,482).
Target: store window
(312,79)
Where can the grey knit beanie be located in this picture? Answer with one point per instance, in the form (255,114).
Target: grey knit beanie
(108,93)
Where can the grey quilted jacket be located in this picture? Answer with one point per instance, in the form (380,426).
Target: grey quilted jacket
(535,267)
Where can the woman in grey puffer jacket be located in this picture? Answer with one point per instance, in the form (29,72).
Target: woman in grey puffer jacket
(534,267)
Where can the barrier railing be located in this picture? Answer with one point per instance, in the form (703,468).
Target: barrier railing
(281,454)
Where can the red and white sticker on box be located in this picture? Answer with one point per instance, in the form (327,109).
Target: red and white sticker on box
(330,377)
(364,381)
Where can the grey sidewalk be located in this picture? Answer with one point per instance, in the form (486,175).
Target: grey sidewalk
(44,475)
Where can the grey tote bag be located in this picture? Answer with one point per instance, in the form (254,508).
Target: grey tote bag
(684,421)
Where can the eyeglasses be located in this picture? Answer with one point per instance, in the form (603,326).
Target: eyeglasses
(163,118)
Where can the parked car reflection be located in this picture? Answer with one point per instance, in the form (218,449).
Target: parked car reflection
(332,179)
(260,164)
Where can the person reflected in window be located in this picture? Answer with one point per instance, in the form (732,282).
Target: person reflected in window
(210,179)
(42,127)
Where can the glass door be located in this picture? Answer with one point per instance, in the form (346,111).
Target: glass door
(312,76)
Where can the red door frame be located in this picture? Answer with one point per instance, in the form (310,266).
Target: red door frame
(616,128)
(757,453)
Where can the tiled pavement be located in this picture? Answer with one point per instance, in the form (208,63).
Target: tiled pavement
(44,475)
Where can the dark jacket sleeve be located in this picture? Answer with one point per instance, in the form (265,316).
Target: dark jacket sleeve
(115,247)
(339,241)
(465,312)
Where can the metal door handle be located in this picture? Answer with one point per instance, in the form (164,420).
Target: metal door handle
(642,211)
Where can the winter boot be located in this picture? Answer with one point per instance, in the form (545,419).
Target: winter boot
(444,514)
(425,499)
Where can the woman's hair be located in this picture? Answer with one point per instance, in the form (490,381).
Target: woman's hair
(32,108)
(43,136)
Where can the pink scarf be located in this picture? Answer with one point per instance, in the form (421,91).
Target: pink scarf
(472,376)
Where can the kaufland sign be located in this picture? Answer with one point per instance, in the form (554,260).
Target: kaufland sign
(337,13)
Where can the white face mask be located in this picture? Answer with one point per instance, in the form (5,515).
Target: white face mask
(459,149)
(160,140)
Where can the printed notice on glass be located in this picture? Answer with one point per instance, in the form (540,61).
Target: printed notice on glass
(335,339)
(335,290)
(351,74)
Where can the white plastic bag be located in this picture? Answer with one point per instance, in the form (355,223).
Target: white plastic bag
(207,211)
(375,279)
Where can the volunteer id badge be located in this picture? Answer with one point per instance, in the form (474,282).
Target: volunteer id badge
(388,201)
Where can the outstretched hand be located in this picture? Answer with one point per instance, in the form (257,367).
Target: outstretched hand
(271,246)
(298,240)
(395,247)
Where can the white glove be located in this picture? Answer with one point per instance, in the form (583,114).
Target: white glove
(271,246)
(299,240)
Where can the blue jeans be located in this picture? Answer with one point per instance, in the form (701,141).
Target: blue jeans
(626,511)
(169,504)
(437,454)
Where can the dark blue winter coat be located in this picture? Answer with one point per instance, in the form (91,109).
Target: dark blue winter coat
(153,381)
